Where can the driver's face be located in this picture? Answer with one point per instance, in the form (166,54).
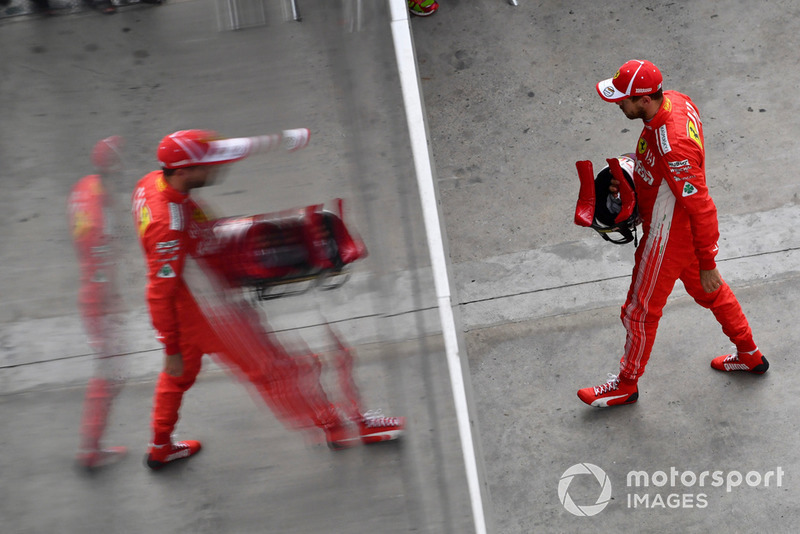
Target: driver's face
(633,109)
(200,176)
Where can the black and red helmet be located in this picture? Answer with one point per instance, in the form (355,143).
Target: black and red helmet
(608,213)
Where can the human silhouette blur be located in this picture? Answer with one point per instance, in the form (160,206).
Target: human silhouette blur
(91,222)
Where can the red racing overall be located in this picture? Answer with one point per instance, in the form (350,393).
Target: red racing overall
(680,233)
(172,227)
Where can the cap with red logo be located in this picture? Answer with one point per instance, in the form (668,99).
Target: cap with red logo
(635,78)
(188,148)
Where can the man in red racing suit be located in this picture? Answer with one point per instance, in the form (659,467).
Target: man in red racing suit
(679,222)
(178,239)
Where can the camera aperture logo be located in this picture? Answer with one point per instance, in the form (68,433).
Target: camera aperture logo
(602,499)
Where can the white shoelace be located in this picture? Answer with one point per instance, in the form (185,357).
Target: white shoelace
(734,357)
(611,385)
(375,418)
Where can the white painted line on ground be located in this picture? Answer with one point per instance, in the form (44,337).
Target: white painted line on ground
(418,134)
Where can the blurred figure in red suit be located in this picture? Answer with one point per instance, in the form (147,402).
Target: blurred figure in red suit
(90,211)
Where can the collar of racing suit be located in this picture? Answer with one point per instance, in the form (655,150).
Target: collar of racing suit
(662,114)
(172,194)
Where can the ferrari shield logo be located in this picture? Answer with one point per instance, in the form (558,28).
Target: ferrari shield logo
(694,135)
(81,224)
(144,220)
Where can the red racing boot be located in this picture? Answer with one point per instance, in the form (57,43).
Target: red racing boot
(422,8)
(339,436)
(752,362)
(160,455)
(97,458)
(613,393)
(374,427)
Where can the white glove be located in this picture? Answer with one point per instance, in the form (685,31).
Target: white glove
(295,139)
